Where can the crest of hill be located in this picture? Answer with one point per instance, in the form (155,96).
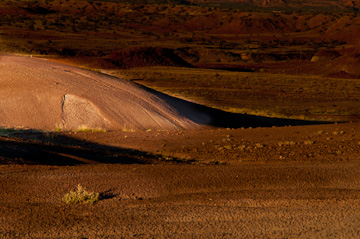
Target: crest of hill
(94,7)
(146,56)
(325,5)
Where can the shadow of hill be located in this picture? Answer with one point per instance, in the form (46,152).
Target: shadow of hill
(40,148)
(227,67)
(146,56)
(225,119)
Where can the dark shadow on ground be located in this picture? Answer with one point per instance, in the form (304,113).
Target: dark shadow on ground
(108,194)
(223,119)
(232,69)
(53,148)
(226,67)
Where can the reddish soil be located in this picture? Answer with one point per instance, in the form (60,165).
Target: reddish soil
(298,182)
(293,4)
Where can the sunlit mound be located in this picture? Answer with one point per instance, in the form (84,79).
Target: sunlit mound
(325,55)
(346,65)
(39,94)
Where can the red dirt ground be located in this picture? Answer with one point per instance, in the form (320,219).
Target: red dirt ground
(298,182)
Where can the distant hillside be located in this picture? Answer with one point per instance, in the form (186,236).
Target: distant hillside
(306,5)
(176,2)
(267,5)
(262,5)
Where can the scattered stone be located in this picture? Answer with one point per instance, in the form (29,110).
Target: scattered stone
(286,143)
(308,142)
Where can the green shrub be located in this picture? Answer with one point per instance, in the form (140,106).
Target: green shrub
(80,196)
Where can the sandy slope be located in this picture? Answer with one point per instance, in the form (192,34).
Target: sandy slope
(39,94)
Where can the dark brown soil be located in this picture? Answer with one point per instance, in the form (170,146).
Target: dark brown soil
(298,182)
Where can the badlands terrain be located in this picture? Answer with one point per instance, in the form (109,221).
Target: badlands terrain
(178,178)
(190,119)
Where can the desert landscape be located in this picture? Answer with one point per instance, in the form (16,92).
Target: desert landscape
(179,119)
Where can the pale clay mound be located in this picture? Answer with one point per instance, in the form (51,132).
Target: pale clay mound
(39,94)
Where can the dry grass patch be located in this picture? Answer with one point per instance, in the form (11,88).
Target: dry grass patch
(91,130)
(80,196)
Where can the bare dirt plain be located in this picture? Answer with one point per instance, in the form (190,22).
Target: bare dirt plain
(288,182)
(298,181)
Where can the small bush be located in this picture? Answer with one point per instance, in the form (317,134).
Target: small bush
(80,196)
(86,129)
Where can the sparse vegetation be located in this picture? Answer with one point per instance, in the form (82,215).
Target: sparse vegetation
(80,196)
(286,143)
(338,132)
(308,142)
(84,128)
